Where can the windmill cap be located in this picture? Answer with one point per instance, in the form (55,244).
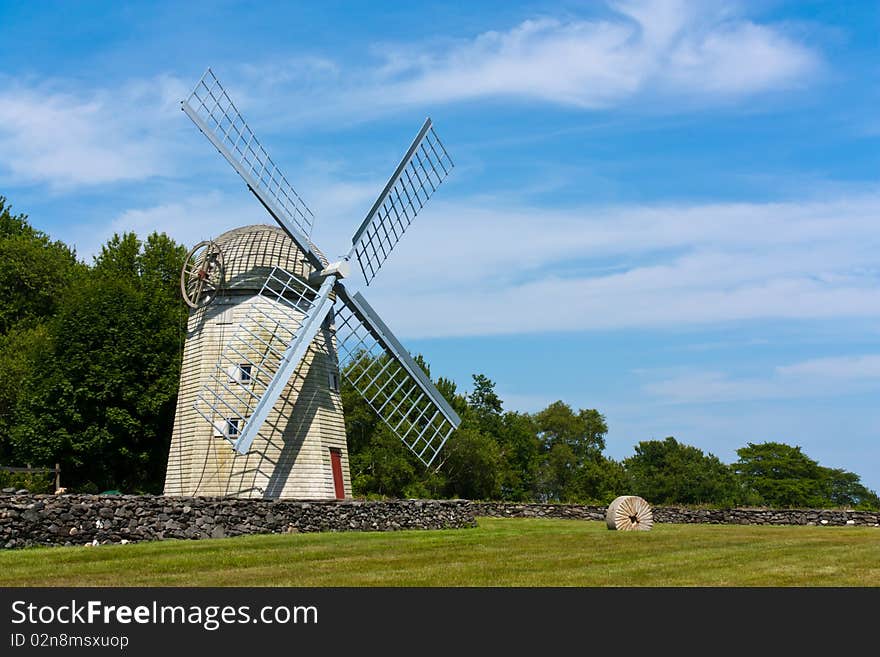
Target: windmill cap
(251,252)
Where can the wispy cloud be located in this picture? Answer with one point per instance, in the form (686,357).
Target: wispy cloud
(839,375)
(188,220)
(57,134)
(471,268)
(72,138)
(685,52)
(194,216)
(483,267)
(835,369)
(666,46)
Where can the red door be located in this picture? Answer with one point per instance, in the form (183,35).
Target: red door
(336,463)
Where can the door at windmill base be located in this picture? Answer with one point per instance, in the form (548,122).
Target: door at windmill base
(336,464)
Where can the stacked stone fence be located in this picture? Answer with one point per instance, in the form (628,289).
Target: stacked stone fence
(31,520)
(52,520)
(675,514)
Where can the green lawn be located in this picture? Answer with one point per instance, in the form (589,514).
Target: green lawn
(499,552)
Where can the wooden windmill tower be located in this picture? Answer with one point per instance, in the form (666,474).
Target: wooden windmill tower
(273,328)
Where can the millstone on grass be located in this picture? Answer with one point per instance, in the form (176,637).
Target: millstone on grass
(629,513)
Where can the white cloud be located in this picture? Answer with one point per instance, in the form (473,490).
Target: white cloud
(667,54)
(71,139)
(702,387)
(830,376)
(189,221)
(674,48)
(478,267)
(835,369)
(472,268)
(194,217)
(56,134)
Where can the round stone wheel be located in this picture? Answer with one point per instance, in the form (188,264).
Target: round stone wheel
(629,513)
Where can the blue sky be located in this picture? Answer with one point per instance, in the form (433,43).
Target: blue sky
(664,210)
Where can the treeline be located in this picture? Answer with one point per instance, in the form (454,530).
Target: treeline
(556,455)
(90,364)
(89,356)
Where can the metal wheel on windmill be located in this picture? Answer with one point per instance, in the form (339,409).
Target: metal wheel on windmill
(369,355)
(202,274)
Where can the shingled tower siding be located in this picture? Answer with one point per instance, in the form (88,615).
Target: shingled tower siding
(290,457)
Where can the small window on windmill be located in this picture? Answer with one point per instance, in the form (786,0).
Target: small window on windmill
(240,373)
(227,428)
(225,316)
(333,377)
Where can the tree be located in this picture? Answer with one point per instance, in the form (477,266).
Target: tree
(781,475)
(380,462)
(519,456)
(571,446)
(583,432)
(557,475)
(669,472)
(472,465)
(102,402)
(22,352)
(600,480)
(845,489)
(447,388)
(35,272)
(484,405)
(383,467)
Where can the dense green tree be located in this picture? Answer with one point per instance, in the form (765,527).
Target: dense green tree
(24,351)
(472,465)
(103,402)
(483,399)
(450,393)
(780,475)
(557,475)
(385,467)
(471,456)
(380,464)
(583,432)
(484,406)
(669,472)
(845,489)
(34,271)
(520,456)
(572,445)
(600,480)
(35,276)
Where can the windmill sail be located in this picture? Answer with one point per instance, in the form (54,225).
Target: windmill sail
(394,385)
(214,113)
(424,166)
(261,356)
(282,321)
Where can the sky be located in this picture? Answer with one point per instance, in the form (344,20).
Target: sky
(668,211)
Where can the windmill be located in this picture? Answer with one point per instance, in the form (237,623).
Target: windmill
(282,313)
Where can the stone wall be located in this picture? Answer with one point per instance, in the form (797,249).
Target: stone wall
(30,520)
(674,514)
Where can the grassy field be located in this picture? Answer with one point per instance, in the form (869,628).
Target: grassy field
(499,552)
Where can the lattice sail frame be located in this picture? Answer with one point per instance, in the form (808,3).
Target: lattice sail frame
(273,321)
(271,349)
(213,106)
(400,399)
(424,167)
